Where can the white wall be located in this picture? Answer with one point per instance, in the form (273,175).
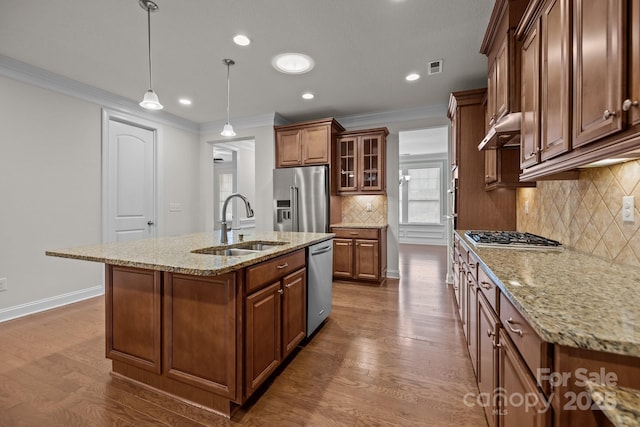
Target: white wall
(50,194)
(246,176)
(263,179)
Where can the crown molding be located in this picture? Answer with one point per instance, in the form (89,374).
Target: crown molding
(27,73)
(384,117)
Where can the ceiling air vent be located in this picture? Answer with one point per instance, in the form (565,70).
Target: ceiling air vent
(435,67)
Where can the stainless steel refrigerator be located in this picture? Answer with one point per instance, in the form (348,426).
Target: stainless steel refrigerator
(301,203)
(301,199)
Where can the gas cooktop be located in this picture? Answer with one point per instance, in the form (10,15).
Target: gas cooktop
(511,239)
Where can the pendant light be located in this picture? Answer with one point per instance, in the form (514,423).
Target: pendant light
(150,100)
(228,129)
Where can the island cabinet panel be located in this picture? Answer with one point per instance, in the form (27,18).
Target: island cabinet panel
(263,329)
(294,316)
(200,319)
(133,310)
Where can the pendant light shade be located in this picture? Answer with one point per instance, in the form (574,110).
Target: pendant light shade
(227,130)
(150,100)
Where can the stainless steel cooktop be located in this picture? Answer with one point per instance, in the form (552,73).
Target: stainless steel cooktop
(511,240)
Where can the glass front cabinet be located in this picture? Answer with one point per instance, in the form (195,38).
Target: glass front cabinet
(361,161)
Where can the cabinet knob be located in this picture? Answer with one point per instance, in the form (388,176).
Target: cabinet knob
(280,291)
(496,345)
(607,114)
(490,333)
(627,104)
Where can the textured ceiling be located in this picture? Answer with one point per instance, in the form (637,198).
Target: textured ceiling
(362,50)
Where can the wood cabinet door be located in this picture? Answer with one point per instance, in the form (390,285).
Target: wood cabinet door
(523,404)
(453,145)
(200,323)
(472,321)
(598,76)
(462,298)
(492,84)
(490,166)
(367,263)
(294,310)
(371,162)
(343,258)
(487,374)
(555,74)
(530,99)
(315,145)
(347,164)
(634,61)
(501,106)
(288,148)
(133,316)
(263,341)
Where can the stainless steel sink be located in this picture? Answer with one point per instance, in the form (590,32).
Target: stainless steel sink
(239,249)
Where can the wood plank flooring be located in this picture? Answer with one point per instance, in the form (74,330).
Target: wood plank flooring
(391,355)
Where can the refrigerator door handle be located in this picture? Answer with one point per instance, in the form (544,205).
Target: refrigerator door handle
(294,208)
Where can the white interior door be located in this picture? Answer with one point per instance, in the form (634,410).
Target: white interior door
(131,182)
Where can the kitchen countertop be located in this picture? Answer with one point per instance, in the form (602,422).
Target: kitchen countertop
(569,298)
(174,253)
(621,405)
(357,225)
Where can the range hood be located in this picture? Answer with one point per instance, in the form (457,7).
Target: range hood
(504,133)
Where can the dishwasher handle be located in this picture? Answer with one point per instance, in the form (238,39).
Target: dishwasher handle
(321,250)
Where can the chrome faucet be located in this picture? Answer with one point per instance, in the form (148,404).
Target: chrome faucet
(224,230)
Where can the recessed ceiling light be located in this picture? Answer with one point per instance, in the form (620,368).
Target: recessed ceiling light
(292,63)
(412,77)
(241,40)
(308,95)
(184,101)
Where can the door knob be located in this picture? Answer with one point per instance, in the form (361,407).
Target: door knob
(150,222)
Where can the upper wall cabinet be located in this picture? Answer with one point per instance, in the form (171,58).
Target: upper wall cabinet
(307,143)
(588,84)
(502,50)
(360,161)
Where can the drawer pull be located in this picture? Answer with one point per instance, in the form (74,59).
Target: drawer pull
(515,331)
(285,265)
(485,285)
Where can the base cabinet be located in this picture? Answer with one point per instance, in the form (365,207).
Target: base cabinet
(360,254)
(487,375)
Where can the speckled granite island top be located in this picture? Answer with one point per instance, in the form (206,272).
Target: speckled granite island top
(569,298)
(175,254)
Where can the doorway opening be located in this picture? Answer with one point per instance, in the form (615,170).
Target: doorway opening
(422,181)
(233,172)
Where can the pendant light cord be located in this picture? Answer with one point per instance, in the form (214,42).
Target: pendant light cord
(228,91)
(149,39)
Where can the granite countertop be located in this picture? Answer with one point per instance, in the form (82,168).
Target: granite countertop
(174,254)
(569,298)
(357,225)
(621,405)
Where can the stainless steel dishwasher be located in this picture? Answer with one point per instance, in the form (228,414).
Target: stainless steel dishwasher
(319,283)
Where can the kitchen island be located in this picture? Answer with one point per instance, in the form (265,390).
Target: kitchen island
(204,322)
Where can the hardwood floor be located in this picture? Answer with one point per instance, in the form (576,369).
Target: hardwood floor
(391,355)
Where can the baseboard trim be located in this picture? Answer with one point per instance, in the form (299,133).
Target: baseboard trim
(393,274)
(49,303)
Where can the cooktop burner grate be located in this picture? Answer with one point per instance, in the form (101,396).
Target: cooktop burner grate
(510,239)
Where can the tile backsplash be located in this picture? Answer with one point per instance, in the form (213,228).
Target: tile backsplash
(354,209)
(586,214)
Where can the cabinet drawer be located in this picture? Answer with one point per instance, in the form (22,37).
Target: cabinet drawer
(488,288)
(472,266)
(274,269)
(356,233)
(531,347)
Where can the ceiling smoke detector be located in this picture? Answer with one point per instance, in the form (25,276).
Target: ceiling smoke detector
(434,67)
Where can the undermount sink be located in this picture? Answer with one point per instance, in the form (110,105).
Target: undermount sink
(239,249)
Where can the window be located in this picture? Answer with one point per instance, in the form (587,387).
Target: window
(225,189)
(420,199)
